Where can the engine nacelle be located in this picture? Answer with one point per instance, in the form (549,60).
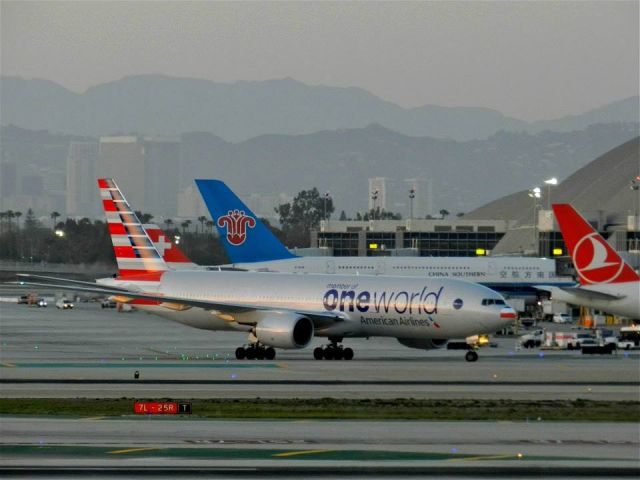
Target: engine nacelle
(284,330)
(423,343)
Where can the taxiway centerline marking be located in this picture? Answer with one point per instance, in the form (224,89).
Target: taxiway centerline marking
(299,452)
(132,450)
(484,457)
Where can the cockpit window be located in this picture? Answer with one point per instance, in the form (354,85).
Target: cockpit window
(492,301)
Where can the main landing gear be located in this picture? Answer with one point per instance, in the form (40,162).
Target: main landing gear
(333,351)
(255,352)
(471,356)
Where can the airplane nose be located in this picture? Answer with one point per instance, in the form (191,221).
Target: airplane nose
(508,313)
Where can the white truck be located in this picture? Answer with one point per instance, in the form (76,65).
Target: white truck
(532,339)
(629,337)
(568,340)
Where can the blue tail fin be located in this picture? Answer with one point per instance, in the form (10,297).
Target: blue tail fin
(244,237)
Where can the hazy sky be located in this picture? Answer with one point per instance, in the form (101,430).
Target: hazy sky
(532,60)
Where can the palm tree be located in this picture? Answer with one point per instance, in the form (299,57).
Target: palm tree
(9,215)
(54,216)
(143,217)
(202,219)
(210,225)
(444,213)
(17,215)
(185,225)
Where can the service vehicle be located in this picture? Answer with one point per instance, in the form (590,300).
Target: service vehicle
(575,340)
(631,334)
(562,318)
(532,339)
(108,303)
(64,304)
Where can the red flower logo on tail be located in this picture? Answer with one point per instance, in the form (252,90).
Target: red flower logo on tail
(236,223)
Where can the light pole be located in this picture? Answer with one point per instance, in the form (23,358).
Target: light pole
(551,182)
(535,194)
(327,196)
(412,195)
(635,186)
(374,197)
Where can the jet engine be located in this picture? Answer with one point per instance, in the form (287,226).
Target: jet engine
(423,343)
(284,330)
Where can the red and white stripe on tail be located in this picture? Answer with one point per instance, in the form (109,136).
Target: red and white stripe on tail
(595,260)
(170,252)
(135,253)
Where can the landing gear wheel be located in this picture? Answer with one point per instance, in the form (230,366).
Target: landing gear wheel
(270,353)
(318,353)
(260,353)
(471,356)
(347,354)
(338,354)
(241,353)
(328,353)
(251,353)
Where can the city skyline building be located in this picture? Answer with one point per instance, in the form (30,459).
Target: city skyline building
(82,196)
(122,158)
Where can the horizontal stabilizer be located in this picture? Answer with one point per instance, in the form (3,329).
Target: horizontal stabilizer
(584,293)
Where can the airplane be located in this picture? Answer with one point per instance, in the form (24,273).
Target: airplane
(249,244)
(170,252)
(282,310)
(606,281)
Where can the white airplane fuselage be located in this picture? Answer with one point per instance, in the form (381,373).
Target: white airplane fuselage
(491,271)
(627,304)
(365,305)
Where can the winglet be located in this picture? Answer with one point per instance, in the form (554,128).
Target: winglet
(244,237)
(595,260)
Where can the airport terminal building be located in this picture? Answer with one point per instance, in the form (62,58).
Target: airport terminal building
(419,237)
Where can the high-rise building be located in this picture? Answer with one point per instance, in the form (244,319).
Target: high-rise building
(421,204)
(82,193)
(162,175)
(8,179)
(123,159)
(378,193)
(190,203)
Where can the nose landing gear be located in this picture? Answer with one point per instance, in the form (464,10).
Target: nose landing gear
(471,356)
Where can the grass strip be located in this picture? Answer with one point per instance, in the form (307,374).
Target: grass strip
(330,408)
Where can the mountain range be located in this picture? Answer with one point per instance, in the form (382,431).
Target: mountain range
(156,104)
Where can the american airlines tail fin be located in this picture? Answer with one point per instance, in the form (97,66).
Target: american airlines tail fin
(134,250)
(244,237)
(595,260)
(170,252)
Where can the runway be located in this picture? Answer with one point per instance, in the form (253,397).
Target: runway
(447,446)
(93,353)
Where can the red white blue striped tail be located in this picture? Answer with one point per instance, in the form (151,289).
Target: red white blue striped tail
(134,250)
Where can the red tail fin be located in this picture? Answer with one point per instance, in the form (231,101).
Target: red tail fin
(594,259)
(171,253)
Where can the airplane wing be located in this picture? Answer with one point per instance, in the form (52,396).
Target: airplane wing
(319,318)
(580,292)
